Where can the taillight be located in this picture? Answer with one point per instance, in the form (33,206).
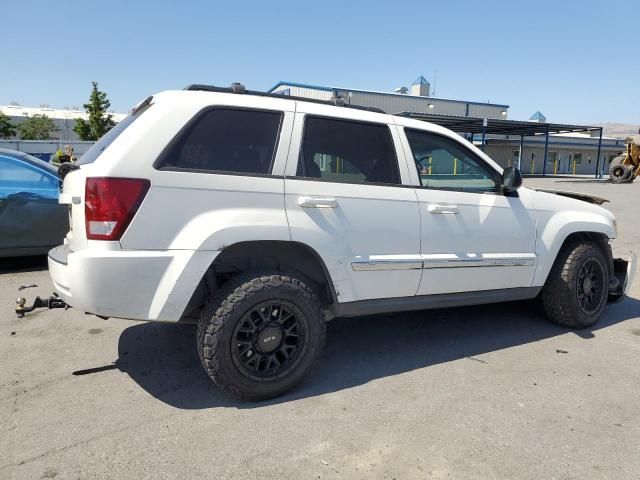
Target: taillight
(110,204)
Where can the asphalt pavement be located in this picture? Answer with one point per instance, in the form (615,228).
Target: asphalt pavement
(490,392)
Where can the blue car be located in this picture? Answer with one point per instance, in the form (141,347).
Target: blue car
(31,219)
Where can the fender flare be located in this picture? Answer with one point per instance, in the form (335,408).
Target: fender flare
(556,232)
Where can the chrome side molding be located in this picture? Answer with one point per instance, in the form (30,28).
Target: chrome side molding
(429,261)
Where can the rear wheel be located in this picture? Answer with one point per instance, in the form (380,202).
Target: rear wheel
(263,337)
(576,290)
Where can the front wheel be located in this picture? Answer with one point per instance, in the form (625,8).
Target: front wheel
(262,337)
(577,288)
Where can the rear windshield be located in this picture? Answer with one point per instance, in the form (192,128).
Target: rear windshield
(107,139)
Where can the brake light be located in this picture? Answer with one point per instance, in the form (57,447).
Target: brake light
(110,204)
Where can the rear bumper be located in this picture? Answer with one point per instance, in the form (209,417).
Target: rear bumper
(624,271)
(138,285)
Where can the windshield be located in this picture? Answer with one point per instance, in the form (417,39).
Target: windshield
(107,139)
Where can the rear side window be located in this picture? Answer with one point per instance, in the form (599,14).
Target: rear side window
(345,151)
(221,140)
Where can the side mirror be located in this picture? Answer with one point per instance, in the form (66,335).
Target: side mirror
(511,180)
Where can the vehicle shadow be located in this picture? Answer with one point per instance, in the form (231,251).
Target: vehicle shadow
(23,264)
(162,358)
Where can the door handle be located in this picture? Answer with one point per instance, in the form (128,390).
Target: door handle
(438,209)
(317,202)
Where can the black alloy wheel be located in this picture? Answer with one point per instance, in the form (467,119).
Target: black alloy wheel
(268,340)
(577,287)
(590,286)
(261,334)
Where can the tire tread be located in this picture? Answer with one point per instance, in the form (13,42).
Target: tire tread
(557,296)
(222,306)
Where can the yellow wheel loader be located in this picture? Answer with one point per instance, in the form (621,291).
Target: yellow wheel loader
(626,167)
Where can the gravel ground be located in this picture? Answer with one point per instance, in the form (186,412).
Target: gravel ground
(478,393)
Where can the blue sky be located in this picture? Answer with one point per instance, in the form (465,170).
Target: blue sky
(576,61)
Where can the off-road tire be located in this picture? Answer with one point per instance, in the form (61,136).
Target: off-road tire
(618,159)
(619,172)
(224,311)
(560,293)
(214,302)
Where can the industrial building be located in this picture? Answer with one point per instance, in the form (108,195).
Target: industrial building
(574,153)
(415,98)
(568,149)
(64,119)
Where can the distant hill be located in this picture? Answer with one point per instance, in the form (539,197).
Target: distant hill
(621,130)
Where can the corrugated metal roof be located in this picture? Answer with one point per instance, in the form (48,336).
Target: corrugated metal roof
(490,126)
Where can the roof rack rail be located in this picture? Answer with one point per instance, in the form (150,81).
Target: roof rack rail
(239,88)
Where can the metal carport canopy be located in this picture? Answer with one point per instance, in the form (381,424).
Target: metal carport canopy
(496,126)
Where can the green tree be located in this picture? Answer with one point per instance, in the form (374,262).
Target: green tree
(38,127)
(7,129)
(99,121)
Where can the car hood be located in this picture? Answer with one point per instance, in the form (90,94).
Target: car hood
(551,201)
(576,195)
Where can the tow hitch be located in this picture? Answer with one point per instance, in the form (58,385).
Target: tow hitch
(52,302)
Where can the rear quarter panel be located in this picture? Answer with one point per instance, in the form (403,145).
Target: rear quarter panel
(203,211)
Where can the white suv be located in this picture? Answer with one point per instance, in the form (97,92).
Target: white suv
(261,216)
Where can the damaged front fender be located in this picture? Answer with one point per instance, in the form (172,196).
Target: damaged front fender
(624,272)
(576,195)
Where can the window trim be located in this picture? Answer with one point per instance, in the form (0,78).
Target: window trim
(373,184)
(159,163)
(357,122)
(471,153)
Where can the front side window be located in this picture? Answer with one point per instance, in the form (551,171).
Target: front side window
(444,164)
(350,152)
(224,140)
